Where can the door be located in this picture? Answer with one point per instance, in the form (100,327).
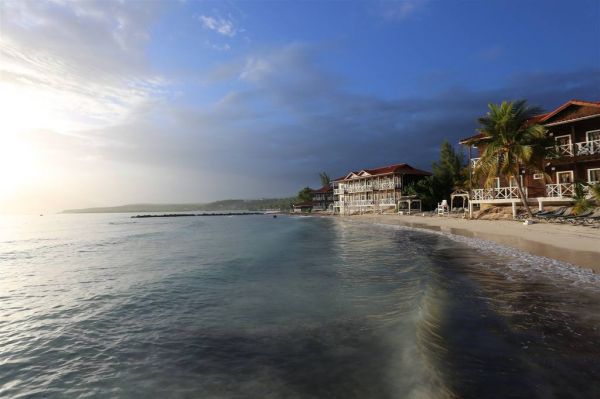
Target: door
(564,177)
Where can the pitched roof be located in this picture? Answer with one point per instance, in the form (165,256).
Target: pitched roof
(402,168)
(325,189)
(590,108)
(586,108)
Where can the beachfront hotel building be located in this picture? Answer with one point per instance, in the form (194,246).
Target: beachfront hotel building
(575,127)
(377,189)
(322,198)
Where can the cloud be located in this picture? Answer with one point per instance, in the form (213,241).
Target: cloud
(222,26)
(293,119)
(400,9)
(82,64)
(490,54)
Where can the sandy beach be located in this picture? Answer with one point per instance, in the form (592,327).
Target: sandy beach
(578,245)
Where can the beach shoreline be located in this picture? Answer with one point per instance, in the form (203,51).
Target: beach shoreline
(577,245)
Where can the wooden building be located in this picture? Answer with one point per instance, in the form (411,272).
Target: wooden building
(575,127)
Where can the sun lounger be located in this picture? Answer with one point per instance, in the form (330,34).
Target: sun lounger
(552,214)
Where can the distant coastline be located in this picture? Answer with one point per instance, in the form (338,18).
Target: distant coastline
(224,205)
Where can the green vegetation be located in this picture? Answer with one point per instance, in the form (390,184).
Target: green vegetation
(226,205)
(511,143)
(304,195)
(449,174)
(325,180)
(595,191)
(582,203)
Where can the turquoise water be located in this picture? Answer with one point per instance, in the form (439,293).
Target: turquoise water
(256,307)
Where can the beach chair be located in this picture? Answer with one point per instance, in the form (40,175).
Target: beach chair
(443,208)
(579,219)
(551,214)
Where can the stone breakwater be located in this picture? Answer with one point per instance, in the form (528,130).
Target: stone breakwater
(173,215)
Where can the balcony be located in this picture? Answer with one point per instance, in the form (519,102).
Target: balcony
(357,188)
(386,202)
(353,203)
(564,190)
(385,185)
(581,148)
(498,193)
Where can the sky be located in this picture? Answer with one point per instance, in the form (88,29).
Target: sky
(115,102)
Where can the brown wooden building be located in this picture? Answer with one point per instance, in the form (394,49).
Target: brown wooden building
(575,127)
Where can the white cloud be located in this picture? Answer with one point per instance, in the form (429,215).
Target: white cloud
(223,26)
(400,10)
(81,64)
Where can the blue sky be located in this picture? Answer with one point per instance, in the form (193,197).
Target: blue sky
(186,101)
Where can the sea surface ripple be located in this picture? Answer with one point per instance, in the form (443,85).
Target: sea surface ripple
(293,307)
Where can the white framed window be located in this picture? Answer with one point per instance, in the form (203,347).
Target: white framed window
(564,176)
(592,135)
(594,175)
(538,176)
(563,140)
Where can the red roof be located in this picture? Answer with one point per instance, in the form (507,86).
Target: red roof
(324,189)
(400,168)
(544,117)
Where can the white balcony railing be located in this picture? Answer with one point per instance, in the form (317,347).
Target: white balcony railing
(499,193)
(357,188)
(588,147)
(386,202)
(385,185)
(338,191)
(582,148)
(356,203)
(562,190)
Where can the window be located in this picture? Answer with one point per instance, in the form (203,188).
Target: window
(564,146)
(592,135)
(538,176)
(564,177)
(594,175)
(563,140)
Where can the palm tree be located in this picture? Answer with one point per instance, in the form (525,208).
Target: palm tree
(582,202)
(595,191)
(325,180)
(511,142)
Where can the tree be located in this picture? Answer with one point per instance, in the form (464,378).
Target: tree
(511,142)
(305,195)
(449,171)
(595,191)
(325,180)
(582,203)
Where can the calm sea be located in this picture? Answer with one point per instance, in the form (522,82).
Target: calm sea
(255,307)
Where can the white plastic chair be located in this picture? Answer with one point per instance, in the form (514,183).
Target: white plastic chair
(442,208)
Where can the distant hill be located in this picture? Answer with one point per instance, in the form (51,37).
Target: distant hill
(225,205)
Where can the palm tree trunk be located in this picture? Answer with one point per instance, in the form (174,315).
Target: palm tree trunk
(522,196)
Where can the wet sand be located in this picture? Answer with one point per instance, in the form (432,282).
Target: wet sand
(578,245)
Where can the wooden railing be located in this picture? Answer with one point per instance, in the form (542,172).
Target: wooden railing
(569,150)
(499,193)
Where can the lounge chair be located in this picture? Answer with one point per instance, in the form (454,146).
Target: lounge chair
(578,219)
(551,214)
